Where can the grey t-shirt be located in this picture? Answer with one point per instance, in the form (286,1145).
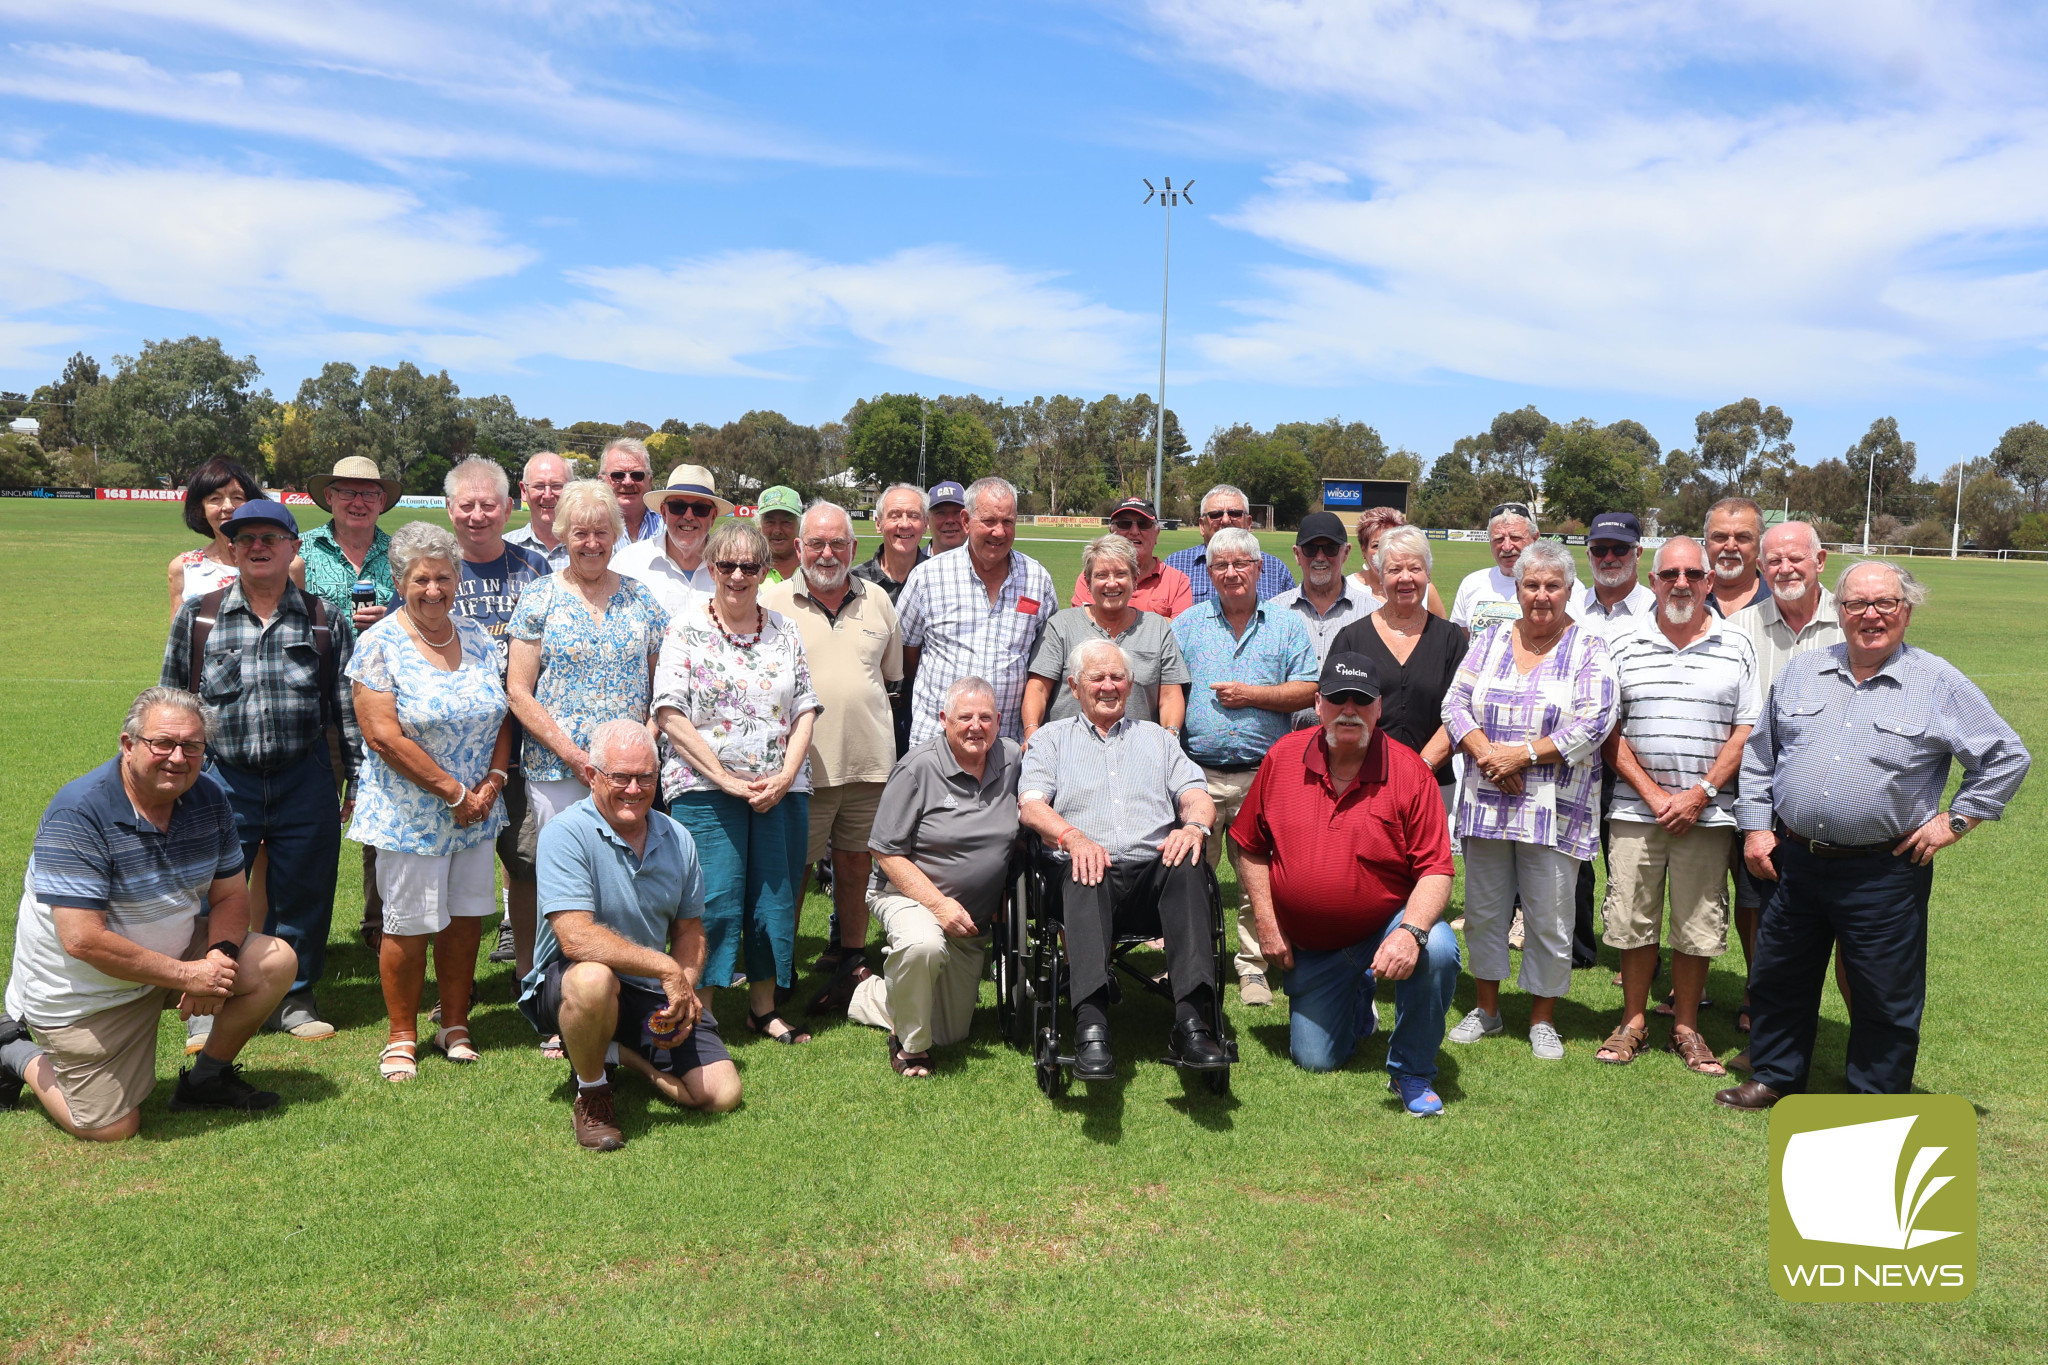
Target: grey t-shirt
(1149,645)
(958,831)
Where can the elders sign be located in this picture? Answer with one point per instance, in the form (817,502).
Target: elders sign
(1873,1198)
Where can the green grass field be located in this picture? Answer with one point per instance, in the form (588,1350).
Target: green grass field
(1568,1212)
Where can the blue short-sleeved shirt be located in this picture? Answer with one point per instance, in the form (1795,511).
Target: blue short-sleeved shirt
(1275,648)
(584,865)
(93,852)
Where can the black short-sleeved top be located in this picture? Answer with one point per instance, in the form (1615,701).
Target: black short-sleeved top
(1412,699)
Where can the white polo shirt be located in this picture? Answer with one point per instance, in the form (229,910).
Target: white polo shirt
(1678,707)
(648,560)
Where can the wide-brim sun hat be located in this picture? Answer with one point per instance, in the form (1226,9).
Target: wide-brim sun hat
(687,481)
(354,467)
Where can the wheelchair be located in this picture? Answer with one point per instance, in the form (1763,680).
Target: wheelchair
(1028,956)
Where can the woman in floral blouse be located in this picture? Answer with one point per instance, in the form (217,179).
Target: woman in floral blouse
(734,697)
(434,721)
(584,645)
(1531,705)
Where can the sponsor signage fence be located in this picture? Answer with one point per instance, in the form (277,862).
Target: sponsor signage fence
(84,493)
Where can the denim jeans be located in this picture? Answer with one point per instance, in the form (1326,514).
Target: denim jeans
(753,865)
(297,814)
(1330,992)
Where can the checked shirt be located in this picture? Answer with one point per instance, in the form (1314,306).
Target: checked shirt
(946,613)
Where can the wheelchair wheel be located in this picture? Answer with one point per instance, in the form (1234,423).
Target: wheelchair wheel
(1052,1077)
(1218,1082)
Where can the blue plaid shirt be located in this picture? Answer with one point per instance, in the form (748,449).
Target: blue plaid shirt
(1274,575)
(1275,648)
(263,677)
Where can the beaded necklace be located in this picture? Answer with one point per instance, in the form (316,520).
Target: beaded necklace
(740,641)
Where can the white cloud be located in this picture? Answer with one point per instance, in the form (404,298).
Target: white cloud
(263,250)
(1634,196)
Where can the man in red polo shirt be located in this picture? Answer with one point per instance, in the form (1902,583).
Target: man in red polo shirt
(1343,853)
(1161,588)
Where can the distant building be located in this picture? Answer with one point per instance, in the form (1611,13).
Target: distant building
(25,426)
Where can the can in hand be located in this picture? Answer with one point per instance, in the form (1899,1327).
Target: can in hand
(364,593)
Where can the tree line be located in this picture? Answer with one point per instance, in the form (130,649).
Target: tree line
(176,403)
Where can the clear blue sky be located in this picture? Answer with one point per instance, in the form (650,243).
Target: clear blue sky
(1411,213)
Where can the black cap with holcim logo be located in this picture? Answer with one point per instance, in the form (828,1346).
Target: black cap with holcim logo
(1349,673)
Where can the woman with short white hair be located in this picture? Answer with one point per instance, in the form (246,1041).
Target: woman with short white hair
(434,720)
(1416,651)
(1530,706)
(1159,675)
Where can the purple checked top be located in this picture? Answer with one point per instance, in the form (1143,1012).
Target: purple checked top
(1568,698)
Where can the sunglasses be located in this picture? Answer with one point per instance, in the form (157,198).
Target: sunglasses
(1689,575)
(677,507)
(748,567)
(1610,551)
(628,476)
(1129,524)
(1230,514)
(1321,549)
(269,540)
(1348,699)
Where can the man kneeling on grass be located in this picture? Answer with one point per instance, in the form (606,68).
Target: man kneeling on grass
(621,944)
(134,904)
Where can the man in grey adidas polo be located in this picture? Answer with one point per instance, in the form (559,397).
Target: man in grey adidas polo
(1688,702)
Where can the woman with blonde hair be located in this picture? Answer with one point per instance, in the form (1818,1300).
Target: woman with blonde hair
(1373,524)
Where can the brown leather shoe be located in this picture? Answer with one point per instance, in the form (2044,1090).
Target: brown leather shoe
(1748,1095)
(837,997)
(597,1126)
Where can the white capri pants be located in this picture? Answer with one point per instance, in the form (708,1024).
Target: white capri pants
(1495,869)
(423,891)
(548,799)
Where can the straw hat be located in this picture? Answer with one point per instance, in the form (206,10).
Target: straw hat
(354,467)
(687,480)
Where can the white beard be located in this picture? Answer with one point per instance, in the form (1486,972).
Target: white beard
(1726,571)
(1679,613)
(1795,591)
(830,581)
(1613,578)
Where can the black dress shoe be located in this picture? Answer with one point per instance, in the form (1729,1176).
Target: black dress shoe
(1197,1049)
(1748,1095)
(1093,1061)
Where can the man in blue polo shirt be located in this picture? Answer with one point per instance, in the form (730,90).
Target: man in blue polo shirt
(134,904)
(621,944)
(1226,508)
(1254,666)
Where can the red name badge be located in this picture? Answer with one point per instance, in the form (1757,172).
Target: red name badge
(1028,605)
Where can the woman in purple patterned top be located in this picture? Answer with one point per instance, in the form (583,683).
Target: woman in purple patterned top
(1531,706)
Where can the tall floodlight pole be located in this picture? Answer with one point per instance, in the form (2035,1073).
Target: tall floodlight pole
(920,441)
(1168,198)
(1869,488)
(1955,537)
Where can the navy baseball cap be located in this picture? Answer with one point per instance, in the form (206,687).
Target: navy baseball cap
(260,509)
(1625,527)
(949,491)
(1322,526)
(1349,672)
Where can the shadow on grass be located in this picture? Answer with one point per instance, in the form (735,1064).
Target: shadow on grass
(293,1085)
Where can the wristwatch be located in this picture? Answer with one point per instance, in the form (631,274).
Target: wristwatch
(1709,788)
(1197,824)
(1958,825)
(227,948)
(1421,935)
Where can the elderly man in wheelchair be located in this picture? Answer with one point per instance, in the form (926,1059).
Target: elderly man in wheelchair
(1117,801)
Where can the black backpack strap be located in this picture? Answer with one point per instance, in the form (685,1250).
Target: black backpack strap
(202,627)
(323,645)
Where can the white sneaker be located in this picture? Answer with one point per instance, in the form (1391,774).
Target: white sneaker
(1474,1026)
(197,1030)
(1545,1043)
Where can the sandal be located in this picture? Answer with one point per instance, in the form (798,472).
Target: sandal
(915,1065)
(551,1048)
(458,1050)
(1667,1009)
(762,1024)
(398,1061)
(1624,1043)
(1698,1057)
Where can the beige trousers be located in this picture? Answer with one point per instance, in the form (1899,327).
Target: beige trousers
(1228,790)
(930,981)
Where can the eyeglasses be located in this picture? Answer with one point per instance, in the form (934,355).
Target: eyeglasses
(1231,566)
(1862,606)
(1348,699)
(269,540)
(1321,549)
(359,494)
(629,782)
(729,567)
(164,748)
(1673,575)
(1610,551)
(628,476)
(1227,514)
(542,487)
(837,547)
(678,507)
(1129,524)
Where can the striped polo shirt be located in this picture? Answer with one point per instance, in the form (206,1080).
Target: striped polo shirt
(1678,707)
(93,852)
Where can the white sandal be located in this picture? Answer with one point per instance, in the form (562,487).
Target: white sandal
(458,1050)
(398,1061)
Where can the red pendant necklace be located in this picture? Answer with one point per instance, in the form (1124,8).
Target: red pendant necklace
(740,641)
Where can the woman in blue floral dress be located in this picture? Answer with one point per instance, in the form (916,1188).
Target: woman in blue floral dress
(733,696)
(434,721)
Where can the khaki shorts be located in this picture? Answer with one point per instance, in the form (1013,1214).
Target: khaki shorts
(842,816)
(1641,859)
(105,1063)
